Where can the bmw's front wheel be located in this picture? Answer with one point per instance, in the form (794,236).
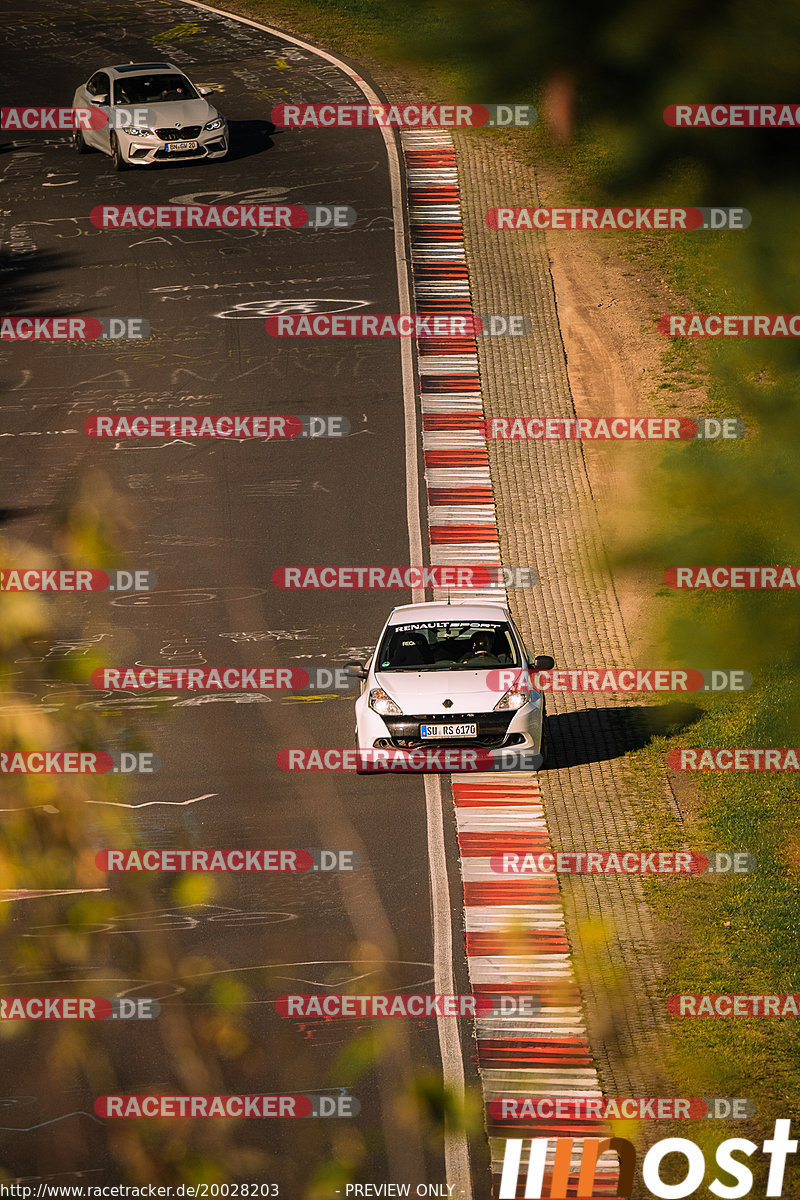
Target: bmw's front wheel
(79,142)
(117,156)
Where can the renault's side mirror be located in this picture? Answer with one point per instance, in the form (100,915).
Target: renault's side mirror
(543,662)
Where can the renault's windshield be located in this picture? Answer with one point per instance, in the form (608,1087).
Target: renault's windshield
(447,646)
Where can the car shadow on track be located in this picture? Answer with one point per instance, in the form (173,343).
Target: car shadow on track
(250,137)
(599,734)
(27,276)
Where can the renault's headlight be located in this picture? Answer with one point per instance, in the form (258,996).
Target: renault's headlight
(383,704)
(517,696)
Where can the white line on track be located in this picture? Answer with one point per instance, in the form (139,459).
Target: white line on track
(155,803)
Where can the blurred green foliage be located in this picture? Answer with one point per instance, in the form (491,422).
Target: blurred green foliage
(602,76)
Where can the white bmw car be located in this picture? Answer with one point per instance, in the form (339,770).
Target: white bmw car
(438,679)
(154,114)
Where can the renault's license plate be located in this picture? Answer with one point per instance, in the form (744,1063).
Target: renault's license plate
(444,731)
(181,145)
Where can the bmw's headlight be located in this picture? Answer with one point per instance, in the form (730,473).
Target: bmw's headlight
(382,704)
(516,697)
(138,131)
(216,124)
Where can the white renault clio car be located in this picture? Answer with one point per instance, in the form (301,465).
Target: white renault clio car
(437,679)
(154,114)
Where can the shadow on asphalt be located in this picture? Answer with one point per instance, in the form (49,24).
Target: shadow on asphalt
(600,734)
(249,137)
(26,279)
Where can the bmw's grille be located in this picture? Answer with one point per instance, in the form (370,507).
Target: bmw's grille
(180,135)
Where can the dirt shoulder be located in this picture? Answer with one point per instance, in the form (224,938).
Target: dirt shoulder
(608,300)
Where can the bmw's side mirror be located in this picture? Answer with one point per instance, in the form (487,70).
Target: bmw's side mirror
(543,662)
(357,669)
(101,99)
(205,90)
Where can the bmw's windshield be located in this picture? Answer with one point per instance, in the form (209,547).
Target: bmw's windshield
(158,88)
(447,646)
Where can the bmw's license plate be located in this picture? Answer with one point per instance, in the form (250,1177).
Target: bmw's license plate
(445,731)
(181,146)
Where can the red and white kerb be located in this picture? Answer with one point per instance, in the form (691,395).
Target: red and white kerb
(462,518)
(516,939)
